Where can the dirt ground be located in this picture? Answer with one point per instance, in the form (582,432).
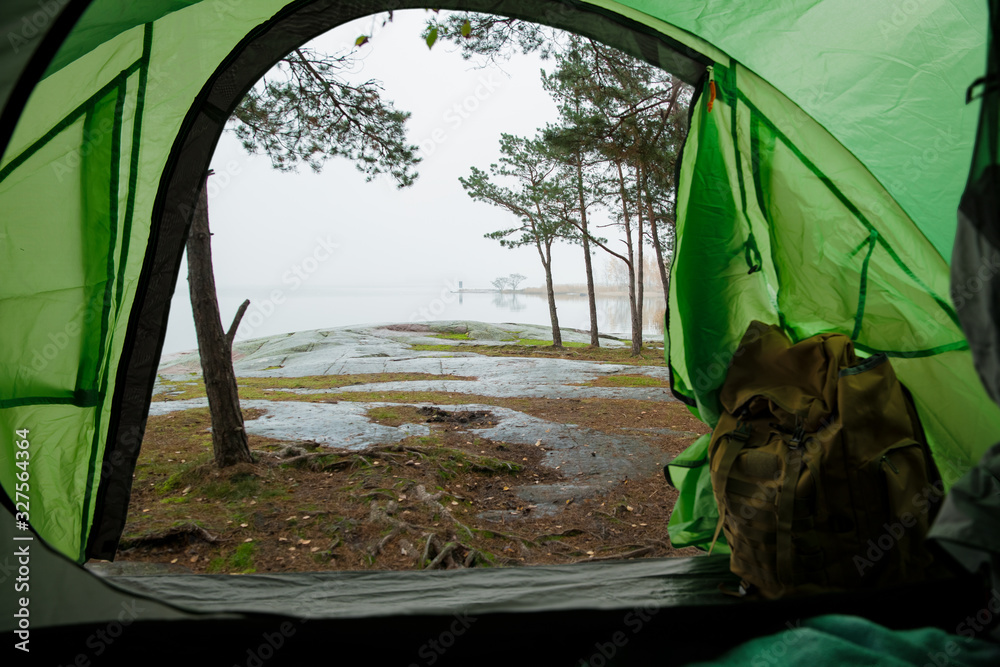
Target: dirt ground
(443,500)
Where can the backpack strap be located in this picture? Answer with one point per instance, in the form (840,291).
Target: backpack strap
(718,528)
(786,511)
(741,435)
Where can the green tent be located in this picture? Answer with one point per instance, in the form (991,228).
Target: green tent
(829,147)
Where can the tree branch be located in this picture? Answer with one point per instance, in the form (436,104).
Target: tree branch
(231,334)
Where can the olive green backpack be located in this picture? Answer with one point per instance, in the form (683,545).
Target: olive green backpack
(820,468)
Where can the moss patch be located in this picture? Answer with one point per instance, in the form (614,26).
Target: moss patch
(255,387)
(648,356)
(538,342)
(626,381)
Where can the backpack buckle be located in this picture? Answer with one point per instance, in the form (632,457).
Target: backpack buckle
(798,435)
(743,432)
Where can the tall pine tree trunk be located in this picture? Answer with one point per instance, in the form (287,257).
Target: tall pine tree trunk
(661,263)
(633,308)
(591,297)
(229,439)
(640,262)
(546,256)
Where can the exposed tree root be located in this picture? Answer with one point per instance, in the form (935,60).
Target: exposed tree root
(629,554)
(432,501)
(173,534)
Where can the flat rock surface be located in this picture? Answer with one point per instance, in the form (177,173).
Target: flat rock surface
(381,349)
(590,459)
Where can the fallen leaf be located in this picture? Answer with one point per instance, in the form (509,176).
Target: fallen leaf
(506,488)
(174,560)
(249,539)
(194,559)
(629,508)
(304,541)
(454,502)
(244,525)
(282,539)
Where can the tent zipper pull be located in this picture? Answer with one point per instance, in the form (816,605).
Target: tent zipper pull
(885,459)
(711,87)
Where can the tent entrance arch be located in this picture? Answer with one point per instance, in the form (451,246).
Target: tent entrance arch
(191,155)
(831,150)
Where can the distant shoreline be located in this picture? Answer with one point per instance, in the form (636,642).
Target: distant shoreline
(560,290)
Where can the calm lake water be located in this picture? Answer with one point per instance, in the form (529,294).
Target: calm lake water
(282,312)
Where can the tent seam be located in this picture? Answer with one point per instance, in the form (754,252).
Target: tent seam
(103,358)
(823,178)
(68,120)
(133,177)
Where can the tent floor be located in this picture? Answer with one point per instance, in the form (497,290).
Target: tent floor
(632,612)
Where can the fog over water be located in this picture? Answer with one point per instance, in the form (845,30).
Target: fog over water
(309,308)
(314,250)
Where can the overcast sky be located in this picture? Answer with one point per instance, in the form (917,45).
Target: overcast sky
(312,235)
(266,222)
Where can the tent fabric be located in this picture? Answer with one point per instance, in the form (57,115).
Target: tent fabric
(968,526)
(782,225)
(976,260)
(848,640)
(695,514)
(818,193)
(887,80)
